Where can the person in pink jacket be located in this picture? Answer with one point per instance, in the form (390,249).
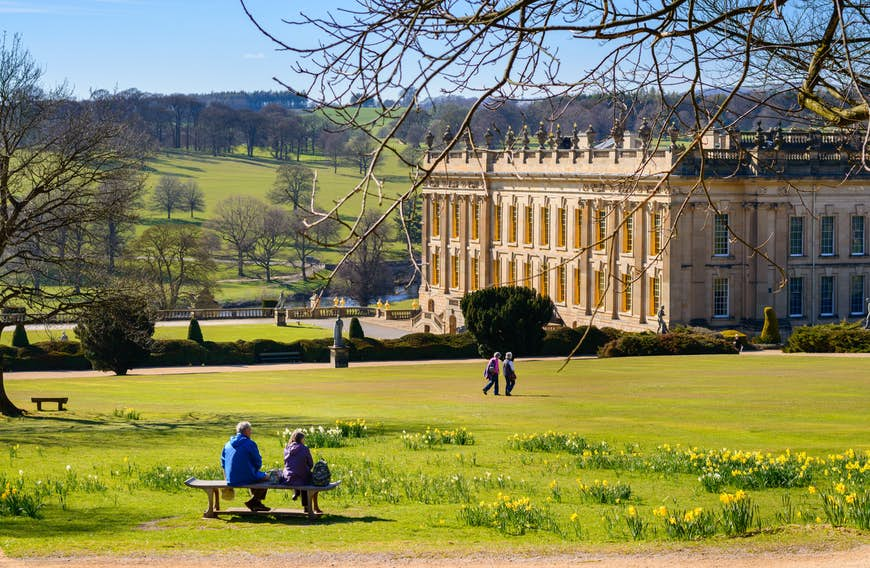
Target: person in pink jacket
(491,374)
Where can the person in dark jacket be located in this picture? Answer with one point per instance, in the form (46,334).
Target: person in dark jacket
(241,462)
(297,467)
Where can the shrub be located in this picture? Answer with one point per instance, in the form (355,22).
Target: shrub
(116,333)
(355,331)
(770,331)
(678,342)
(562,341)
(507,318)
(19,336)
(176,352)
(194,333)
(829,338)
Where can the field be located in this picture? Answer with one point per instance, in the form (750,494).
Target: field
(443,470)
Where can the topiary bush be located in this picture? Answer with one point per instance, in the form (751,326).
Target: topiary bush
(829,338)
(116,332)
(674,343)
(194,333)
(355,330)
(19,336)
(770,331)
(507,318)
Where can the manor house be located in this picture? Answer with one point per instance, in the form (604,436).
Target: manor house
(613,230)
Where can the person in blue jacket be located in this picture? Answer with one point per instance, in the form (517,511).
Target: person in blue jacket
(241,463)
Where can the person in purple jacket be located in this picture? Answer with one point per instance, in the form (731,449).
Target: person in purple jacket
(297,467)
(241,462)
(490,373)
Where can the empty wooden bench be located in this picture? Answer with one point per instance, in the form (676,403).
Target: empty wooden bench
(59,400)
(280,357)
(213,487)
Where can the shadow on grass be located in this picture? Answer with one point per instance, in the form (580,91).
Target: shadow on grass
(301,520)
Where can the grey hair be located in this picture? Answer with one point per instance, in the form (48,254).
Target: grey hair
(242,426)
(297,435)
(496,354)
(509,356)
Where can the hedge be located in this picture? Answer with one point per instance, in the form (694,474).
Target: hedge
(45,356)
(674,343)
(560,342)
(829,338)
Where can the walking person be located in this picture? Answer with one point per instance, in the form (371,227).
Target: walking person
(510,375)
(491,374)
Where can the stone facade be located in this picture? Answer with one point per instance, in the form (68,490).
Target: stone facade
(611,233)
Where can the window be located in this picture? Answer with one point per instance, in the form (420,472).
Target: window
(628,235)
(600,287)
(512,272)
(796,297)
(475,220)
(655,245)
(720,235)
(600,228)
(545,226)
(527,274)
(578,228)
(454,271)
(796,236)
(826,244)
(436,272)
(436,219)
(576,286)
(826,296)
(626,293)
(512,224)
(857,235)
(856,295)
(454,220)
(545,279)
(562,230)
(496,224)
(561,282)
(655,294)
(530,225)
(475,272)
(720,297)
(496,271)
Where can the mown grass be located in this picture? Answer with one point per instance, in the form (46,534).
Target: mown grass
(409,501)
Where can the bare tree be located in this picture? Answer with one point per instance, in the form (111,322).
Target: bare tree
(310,233)
(291,183)
(56,155)
(273,232)
(192,197)
(120,199)
(173,261)
(235,221)
(168,195)
(365,274)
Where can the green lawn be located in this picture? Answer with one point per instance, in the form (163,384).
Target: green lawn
(122,490)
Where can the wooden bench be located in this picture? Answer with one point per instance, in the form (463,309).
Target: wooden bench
(60,400)
(213,487)
(280,357)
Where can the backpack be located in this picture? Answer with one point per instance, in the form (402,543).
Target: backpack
(320,475)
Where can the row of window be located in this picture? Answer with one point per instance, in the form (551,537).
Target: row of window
(826,294)
(543,219)
(827,236)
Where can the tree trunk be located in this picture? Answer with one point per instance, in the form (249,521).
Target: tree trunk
(7,407)
(241,270)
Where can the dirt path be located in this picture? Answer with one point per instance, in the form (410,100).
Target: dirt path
(787,558)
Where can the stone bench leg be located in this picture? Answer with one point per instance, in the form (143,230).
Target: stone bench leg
(213,503)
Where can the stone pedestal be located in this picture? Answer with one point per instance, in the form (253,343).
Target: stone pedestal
(338,357)
(280,317)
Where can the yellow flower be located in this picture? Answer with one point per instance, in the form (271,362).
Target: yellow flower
(574,517)
(632,512)
(840,488)
(811,490)
(850,498)
(818,519)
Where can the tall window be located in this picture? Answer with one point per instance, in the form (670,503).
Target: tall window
(512,271)
(578,228)
(475,220)
(561,283)
(576,286)
(720,235)
(600,228)
(826,243)
(436,267)
(628,235)
(529,235)
(454,271)
(626,293)
(796,236)
(512,224)
(796,297)
(856,294)
(496,271)
(545,225)
(656,234)
(857,235)
(720,297)
(436,219)
(562,229)
(600,287)
(475,272)
(655,294)
(454,220)
(826,296)
(527,274)
(545,279)
(496,224)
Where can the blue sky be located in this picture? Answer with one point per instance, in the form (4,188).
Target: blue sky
(158,46)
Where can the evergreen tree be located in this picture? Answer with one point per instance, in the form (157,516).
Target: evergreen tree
(19,336)
(194,333)
(116,333)
(355,331)
(507,318)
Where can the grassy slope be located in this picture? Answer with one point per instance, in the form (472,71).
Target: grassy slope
(768,404)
